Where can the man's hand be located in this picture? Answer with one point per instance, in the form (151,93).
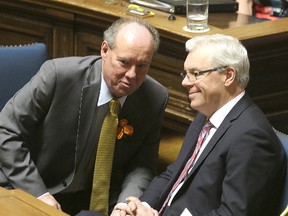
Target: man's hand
(50,200)
(134,208)
(121,209)
(139,208)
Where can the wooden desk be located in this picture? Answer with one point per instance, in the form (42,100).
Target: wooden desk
(17,202)
(75,27)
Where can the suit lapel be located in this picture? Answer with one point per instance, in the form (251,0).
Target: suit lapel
(244,102)
(87,110)
(214,141)
(191,141)
(187,148)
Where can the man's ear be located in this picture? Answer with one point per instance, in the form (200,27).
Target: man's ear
(230,76)
(104,49)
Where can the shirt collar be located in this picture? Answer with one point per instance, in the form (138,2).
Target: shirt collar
(105,95)
(217,118)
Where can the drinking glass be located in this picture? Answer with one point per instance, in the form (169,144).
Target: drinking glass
(197,16)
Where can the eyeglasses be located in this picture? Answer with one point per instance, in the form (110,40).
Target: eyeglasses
(197,75)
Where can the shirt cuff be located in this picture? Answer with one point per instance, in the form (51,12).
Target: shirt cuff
(43,195)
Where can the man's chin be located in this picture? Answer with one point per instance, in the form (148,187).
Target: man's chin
(122,93)
(127,90)
(194,105)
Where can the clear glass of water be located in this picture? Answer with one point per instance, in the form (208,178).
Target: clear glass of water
(111,1)
(197,16)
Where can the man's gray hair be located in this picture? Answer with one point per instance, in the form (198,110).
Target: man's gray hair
(227,51)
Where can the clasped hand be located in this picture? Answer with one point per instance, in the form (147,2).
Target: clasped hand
(134,207)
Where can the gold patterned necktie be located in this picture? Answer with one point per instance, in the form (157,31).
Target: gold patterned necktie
(104,158)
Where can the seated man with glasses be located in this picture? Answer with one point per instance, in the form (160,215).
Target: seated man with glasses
(231,161)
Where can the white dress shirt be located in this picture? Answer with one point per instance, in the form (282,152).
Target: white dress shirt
(216,119)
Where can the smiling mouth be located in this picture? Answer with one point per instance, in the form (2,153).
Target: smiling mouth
(192,93)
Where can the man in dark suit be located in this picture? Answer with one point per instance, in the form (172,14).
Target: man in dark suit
(240,166)
(50,129)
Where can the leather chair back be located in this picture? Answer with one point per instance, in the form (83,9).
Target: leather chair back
(18,64)
(284,140)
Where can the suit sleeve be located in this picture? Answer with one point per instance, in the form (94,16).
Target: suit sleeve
(144,165)
(18,119)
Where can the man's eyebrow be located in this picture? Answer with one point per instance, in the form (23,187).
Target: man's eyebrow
(123,59)
(145,62)
(191,70)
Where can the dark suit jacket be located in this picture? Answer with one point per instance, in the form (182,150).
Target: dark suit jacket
(239,173)
(47,126)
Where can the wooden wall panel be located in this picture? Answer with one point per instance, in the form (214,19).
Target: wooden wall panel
(73,27)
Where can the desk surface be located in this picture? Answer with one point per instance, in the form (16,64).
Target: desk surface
(17,202)
(238,25)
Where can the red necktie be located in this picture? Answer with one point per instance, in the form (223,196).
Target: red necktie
(203,134)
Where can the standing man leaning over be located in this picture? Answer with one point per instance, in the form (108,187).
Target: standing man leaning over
(239,169)
(50,129)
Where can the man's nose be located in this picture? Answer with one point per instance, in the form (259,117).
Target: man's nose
(131,72)
(186,81)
